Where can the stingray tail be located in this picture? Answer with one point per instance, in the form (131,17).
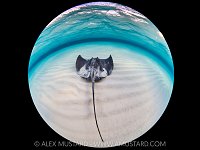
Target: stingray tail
(95,111)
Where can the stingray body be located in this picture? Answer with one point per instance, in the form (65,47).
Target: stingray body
(94,69)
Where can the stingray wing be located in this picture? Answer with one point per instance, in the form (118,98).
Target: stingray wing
(107,65)
(80,62)
(81,67)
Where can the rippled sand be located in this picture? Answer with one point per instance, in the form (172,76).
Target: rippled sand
(128,102)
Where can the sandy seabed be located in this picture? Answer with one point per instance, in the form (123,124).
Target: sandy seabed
(128,102)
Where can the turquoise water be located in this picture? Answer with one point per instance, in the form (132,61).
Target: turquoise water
(94,23)
(129,101)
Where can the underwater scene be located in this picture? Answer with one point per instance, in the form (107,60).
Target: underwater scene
(128,102)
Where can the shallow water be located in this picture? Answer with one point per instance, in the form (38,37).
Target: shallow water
(129,101)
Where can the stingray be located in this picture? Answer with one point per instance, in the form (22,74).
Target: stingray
(94,70)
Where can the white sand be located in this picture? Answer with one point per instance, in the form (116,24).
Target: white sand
(128,102)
